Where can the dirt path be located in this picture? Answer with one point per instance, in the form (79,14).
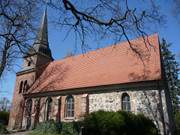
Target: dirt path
(20,133)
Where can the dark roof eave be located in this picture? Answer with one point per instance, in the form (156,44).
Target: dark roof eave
(25,71)
(124,86)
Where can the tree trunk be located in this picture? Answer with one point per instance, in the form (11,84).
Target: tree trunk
(3,60)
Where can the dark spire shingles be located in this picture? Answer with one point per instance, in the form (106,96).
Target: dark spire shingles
(41,45)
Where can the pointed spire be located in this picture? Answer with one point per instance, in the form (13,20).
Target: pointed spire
(43,32)
(41,44)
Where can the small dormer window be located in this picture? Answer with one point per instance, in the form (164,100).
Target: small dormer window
(29,63)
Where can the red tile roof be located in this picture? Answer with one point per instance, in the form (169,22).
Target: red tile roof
(116,64)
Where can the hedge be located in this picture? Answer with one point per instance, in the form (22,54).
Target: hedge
(177,122)
(4,117)
(118,123)
(3,129)
(53,128)
(101,123)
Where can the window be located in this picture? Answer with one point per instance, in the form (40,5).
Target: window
(29,63)
(69,107)
(48,108)
(126,103)
(21,87)
(25,86)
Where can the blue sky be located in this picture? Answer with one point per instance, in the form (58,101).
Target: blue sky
(59,47)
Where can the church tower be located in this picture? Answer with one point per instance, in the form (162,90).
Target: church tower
(35,61)
(40,54)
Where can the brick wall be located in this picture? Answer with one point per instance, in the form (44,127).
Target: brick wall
(16,112)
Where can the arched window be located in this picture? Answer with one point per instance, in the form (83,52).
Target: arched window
(21,87)
(48,108)
(69,111)
(25,88)
(126,103)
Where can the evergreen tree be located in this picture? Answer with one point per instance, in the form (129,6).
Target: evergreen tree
(171,73)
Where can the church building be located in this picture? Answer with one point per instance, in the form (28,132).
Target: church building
(111,79)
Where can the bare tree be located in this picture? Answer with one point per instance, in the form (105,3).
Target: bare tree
(98,19)
(176,9)
(4,104)
(115,19)
(69,54)
(16,30)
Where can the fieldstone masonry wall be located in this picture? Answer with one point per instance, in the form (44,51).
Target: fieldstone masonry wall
(147,102)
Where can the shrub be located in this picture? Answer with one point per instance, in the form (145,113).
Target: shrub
(101,123)
(53,128)
(4,117)
(49,127)
(46,128)
(177,122)
(3,129)
(116,123)
(70,128)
